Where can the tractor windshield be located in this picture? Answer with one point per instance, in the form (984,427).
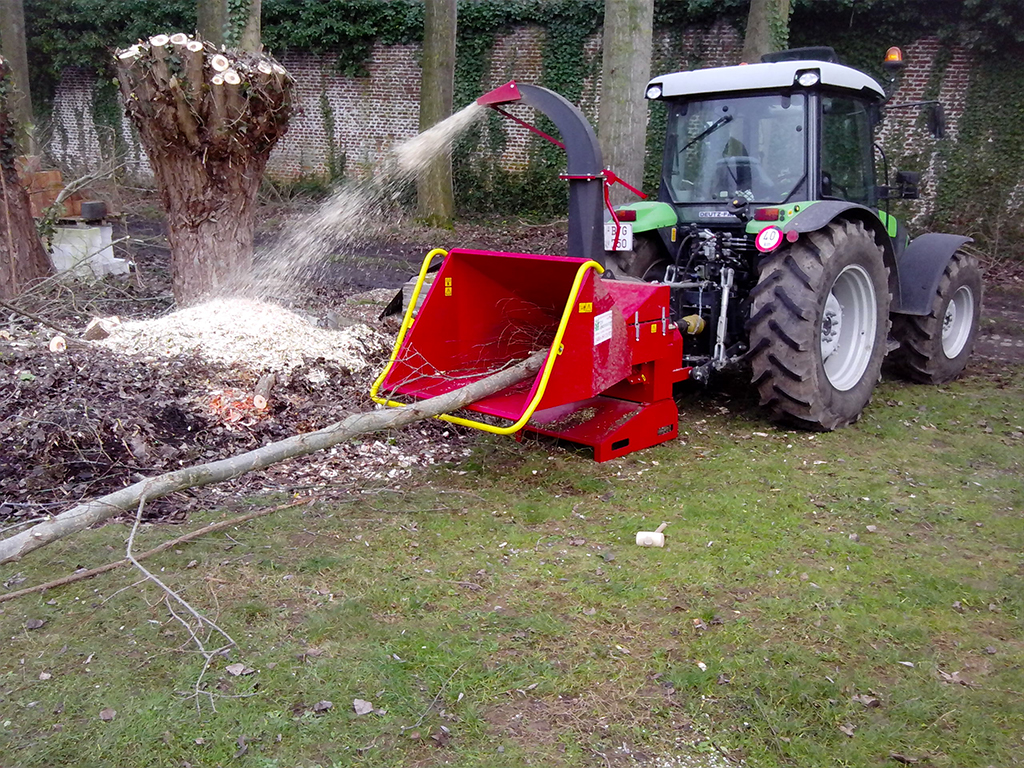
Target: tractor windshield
(748,146)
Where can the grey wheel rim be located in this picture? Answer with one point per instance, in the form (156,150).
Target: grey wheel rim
(848,326)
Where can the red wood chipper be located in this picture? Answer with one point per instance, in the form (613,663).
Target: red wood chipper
(613,353)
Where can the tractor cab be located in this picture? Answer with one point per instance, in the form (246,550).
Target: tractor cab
(771,134)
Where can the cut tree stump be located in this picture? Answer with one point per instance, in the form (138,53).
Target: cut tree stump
(208,120)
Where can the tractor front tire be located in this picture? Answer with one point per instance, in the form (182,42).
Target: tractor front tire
(819,319)
(934,349)
(647,261)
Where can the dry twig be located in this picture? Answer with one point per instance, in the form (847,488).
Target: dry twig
(192,536)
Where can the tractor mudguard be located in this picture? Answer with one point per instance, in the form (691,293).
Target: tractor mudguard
(651,215)
(920,268)
(816,215)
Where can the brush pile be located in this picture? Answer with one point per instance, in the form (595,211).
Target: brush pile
(177,390)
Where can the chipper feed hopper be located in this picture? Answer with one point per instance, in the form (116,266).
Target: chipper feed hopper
(613,354)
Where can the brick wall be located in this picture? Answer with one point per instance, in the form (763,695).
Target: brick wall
(904,135)
(370,113)
(74,140)
(373,113)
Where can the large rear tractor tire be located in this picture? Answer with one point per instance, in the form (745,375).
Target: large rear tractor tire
(934,349)
(819,319)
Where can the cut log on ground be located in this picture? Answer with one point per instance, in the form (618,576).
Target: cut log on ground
(92,512)
(261,394)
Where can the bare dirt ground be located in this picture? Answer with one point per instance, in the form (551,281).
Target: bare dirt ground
(1002,331)
(82,422)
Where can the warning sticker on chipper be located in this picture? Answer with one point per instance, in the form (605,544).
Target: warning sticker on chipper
(602,327)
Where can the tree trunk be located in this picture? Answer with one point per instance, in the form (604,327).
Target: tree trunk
(767,29)
(89,513)
(250,39)
(208,120)
(436,198)
(23,259)
(237,27)
(211,20)
(625,70)
(12,43)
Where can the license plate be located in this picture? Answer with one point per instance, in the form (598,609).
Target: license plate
(624,242)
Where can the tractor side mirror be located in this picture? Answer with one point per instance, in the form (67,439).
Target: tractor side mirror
(907,182)
(936,120)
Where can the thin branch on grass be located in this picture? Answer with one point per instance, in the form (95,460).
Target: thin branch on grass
(88,574)
(435,700)
(208,657)
(92,512)
(170,592)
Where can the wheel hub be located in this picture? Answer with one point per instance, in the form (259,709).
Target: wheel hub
(848,325)
(957,321)
(831,326)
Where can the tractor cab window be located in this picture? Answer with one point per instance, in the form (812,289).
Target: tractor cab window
(847,172)
(749,146)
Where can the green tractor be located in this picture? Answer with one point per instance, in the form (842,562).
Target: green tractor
(775,237)
(771,246)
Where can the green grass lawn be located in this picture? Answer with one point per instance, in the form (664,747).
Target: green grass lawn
(842,599)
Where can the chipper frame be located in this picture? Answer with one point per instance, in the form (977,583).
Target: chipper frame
(613,354)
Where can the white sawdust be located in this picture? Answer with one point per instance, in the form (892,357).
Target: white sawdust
(414,156)
(357,212)
(258,335)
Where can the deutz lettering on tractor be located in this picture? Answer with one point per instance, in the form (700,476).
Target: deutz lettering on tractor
(771,245)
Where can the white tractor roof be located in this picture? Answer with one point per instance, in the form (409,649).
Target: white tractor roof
(755,77)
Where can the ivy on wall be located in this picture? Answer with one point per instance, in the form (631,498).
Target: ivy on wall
(981,185)
(983,166)
(82,33)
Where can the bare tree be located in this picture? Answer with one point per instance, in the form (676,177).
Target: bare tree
(625,70)
(23,259)
(208,120)
(436,199)
(12,44)
(767,29)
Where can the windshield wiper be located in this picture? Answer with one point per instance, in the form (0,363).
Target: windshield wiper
(707,132)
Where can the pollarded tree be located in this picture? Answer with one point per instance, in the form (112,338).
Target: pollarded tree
(208,120)
(23,259)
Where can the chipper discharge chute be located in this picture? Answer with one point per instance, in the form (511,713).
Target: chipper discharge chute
(613,353)
(612,358)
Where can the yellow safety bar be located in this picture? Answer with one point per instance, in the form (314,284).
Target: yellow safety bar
(548,365)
